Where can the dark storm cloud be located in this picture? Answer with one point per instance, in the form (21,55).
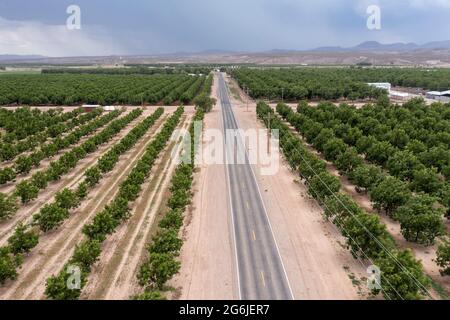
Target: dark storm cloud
(156,26)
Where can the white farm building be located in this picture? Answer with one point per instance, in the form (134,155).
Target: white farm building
(443,96)
(381,85)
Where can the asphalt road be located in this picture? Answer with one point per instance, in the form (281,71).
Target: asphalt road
(260,271)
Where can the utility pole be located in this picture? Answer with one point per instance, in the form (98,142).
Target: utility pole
(248,98)
(244,88)
(268,133)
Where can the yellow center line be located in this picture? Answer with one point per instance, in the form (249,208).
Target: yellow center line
(254,235)
(262,279)
(248,206)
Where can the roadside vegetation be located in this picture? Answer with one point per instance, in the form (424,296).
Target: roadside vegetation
(162,264)
(107,220)
(367,237)
(410,190)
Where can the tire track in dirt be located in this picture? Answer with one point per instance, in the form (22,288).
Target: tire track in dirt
(9,187)
(25,212)
(426,255)
(56,247)
(49,140)
(114,276)
(196,235)
(98,202)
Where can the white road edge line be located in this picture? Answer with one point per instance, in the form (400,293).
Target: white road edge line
(265,211)
(231,203)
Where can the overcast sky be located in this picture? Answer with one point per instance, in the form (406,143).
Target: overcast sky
(163,26)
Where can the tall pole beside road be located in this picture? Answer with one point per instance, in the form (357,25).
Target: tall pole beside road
(268,135)
(248,98)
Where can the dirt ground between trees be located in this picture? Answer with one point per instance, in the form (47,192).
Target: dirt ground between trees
(114,276)
(69,180)
(426,254)
(45,163)
(56,247)
(10,163)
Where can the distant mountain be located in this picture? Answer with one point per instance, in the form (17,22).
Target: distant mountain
(217,51)
(197,53)
(432,54)
(437,45)
(374,45)
(14,57)
(330,49)
(280,51)
(377,46)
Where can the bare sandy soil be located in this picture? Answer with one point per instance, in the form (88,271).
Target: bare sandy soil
(114,275)
(426,255)
(55,247)
(10,163)
(69,180)
(10,186)
(207,257)
(317,265)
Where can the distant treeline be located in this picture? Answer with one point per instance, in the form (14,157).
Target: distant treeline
(304,83)
(427,79)
(76,89)
(128,70)
(335,83)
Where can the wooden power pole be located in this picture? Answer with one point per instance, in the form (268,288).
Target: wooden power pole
(268,135)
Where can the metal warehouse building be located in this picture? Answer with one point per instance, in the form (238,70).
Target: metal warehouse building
(443,96)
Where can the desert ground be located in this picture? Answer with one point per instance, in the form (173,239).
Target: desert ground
(317,264)
(124,251)
(426,255)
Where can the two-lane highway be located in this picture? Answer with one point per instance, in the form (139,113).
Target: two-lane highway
(260,270)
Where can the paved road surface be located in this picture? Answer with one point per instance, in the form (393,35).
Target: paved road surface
(261,274)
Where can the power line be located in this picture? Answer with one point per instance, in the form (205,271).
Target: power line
(418,284)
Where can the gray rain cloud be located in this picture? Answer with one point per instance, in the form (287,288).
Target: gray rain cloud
(162,26)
